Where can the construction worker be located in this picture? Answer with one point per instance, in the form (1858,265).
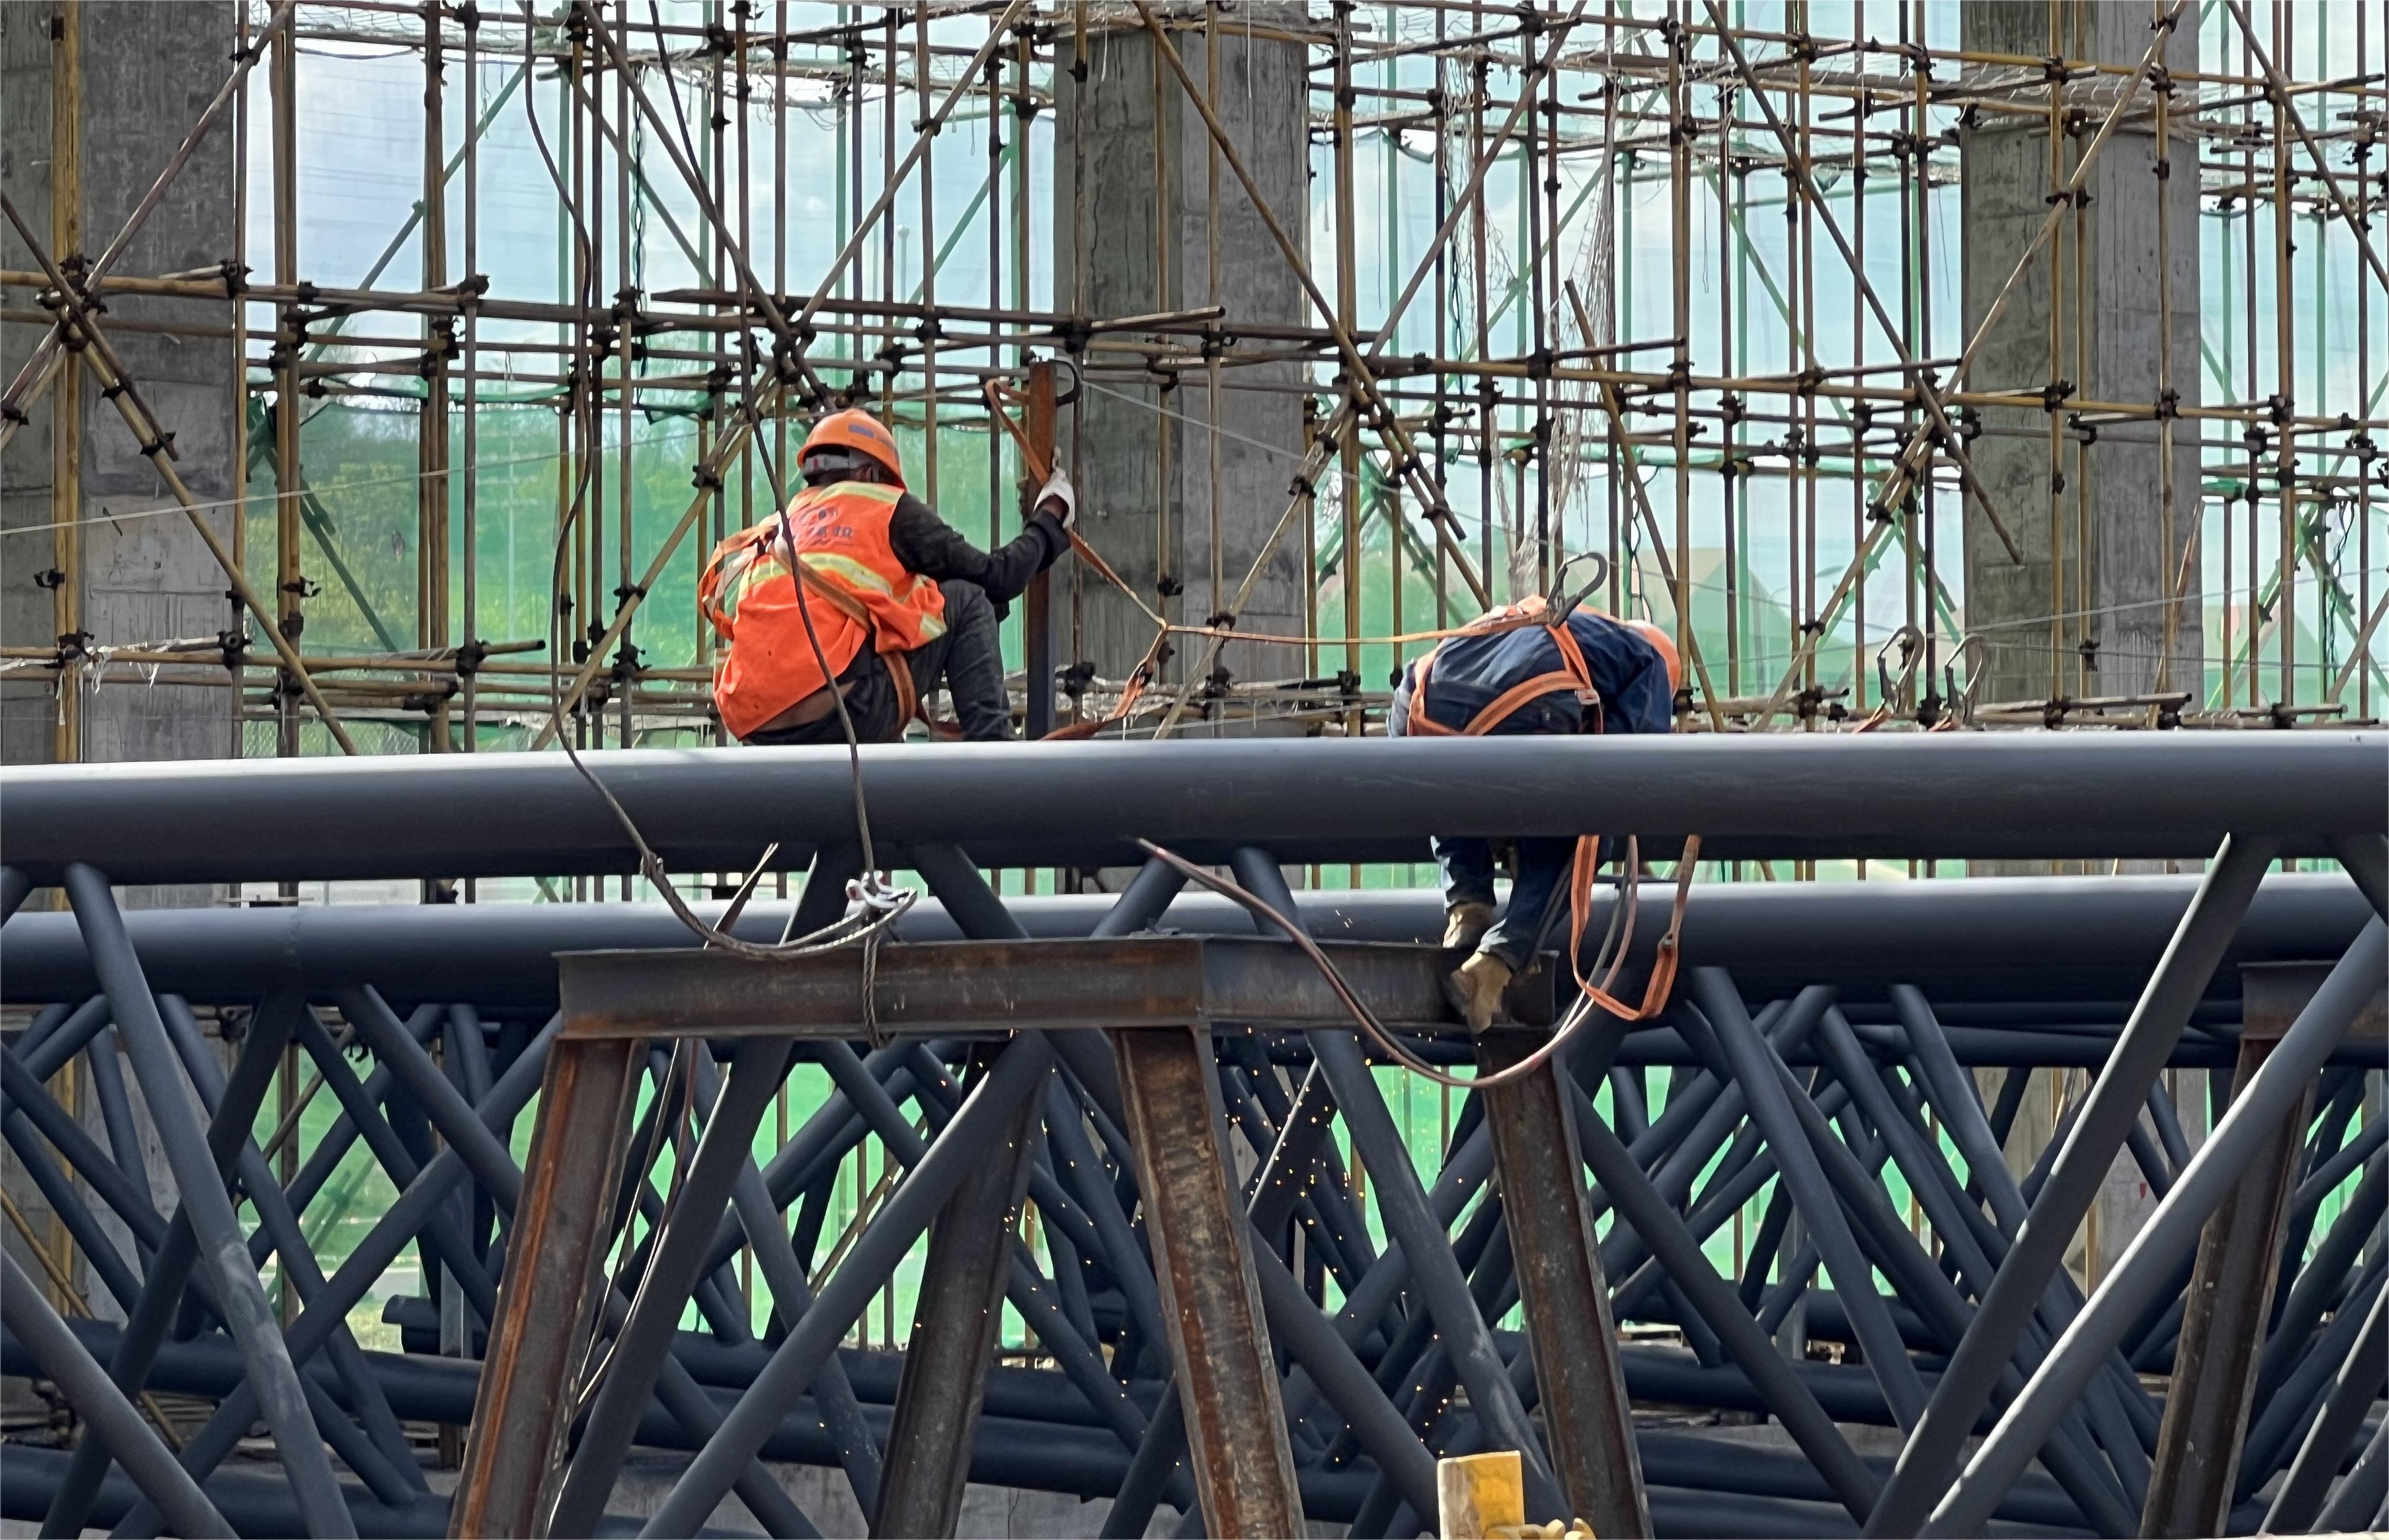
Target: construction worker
(1510,674)
(899,601)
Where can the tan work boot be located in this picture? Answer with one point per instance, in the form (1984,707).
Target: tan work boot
(1475,989)
(1464,925)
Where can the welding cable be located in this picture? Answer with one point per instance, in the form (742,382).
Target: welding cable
(1578,1014)
(880,904)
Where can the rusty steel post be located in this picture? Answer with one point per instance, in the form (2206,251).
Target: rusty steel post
(522,1412)
(2230,1296)
(954,1337)
(1037,604)
(1211,1305)
(1565,1296)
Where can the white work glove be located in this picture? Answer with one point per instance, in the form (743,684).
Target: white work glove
(1058,497)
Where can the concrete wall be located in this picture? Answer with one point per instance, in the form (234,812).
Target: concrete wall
(1145,477)
(141,75)
(2107,278)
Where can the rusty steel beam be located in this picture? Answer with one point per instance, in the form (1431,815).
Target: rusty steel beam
(1565,1297)
(954,1336)
(522,1412)
(2206,1411)
(940,989)
(675,1264)
(1211,1300)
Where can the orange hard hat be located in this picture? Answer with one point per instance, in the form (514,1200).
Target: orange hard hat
(856,431)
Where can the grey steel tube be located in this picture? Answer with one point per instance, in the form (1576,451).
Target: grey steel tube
(1921,1283)
(255,1505)
(116,1112)
(1960,937)
(792,1295)
(1638,1204)
(2366,858)
(1018,1073)
(1770,1107)
(221,1242)
(161,1296)
(401,1477)
(1952,1092)
(371,1256)
(108,1416)
(2293,1320)
(2026,794)
(2255,1116)
(2359,1496)
(2289,1405)
(2101,1120)
(2361,1378)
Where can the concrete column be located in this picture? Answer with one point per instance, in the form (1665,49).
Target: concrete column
(2101,520)
(1132,180)
(94,100)
(2093,528)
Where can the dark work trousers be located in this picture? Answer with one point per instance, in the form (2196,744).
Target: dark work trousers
(967,660)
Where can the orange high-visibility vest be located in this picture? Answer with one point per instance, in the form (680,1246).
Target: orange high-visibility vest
(856,592)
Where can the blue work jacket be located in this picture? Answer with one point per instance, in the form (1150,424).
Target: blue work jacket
(1471,672)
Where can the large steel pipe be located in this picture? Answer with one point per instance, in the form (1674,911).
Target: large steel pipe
(1961,938)
(2023,795)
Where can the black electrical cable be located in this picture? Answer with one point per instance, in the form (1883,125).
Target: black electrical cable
(880,904)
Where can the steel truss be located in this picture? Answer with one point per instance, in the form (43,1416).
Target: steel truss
(1124,1076)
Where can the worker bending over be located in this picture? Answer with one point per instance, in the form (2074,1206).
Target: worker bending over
(899,601)
(1510,674)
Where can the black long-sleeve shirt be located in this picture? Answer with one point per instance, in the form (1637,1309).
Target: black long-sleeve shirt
(927,545)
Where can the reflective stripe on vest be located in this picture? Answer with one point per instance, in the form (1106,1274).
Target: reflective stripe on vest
(747,593)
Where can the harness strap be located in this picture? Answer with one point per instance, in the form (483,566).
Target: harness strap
(1573,675)
(1662,981)
(1576,677)
(899,674)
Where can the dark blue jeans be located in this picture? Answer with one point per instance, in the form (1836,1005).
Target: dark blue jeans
(1542,872)
(968,659)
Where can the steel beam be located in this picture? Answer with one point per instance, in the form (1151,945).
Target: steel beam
(2231,1288)
(1211,1305)
(1565,1295)
(524,1410)
(2028,795)
(942,989)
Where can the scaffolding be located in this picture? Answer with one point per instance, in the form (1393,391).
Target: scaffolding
(1672,285)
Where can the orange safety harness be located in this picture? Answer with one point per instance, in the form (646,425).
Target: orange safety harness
(1575,677)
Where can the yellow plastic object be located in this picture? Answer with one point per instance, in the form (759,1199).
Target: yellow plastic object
(1480,1494)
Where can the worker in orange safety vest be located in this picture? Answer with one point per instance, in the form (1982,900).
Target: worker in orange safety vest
(899,601)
